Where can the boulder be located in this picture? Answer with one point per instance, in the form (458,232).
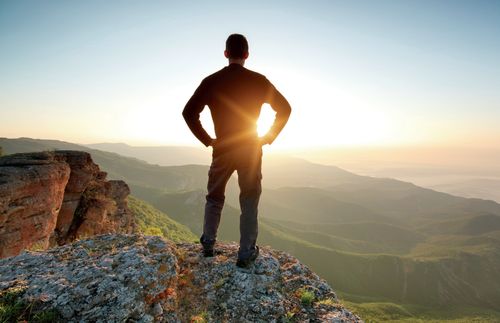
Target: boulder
(136,278)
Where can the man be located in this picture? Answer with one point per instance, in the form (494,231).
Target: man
(235,96)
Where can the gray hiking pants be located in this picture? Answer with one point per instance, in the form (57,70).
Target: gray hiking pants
(246,160)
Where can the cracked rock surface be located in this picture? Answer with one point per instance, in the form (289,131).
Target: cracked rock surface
(136,278)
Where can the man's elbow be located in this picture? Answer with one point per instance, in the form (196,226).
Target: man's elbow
(286,111)
(186,115)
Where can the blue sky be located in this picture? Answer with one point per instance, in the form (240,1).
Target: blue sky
(355,72)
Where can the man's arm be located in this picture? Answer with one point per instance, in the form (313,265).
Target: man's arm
(279,104)
(191,114)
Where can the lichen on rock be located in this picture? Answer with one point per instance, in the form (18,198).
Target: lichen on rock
(121,277)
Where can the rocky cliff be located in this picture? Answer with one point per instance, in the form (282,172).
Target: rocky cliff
(52,198)
(135,278)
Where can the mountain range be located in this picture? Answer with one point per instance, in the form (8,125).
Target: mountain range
(373,239)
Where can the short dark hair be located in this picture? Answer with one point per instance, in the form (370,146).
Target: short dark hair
(236,46)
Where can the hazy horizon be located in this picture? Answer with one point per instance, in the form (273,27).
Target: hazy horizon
(467,172)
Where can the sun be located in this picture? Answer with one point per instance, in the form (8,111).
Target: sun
(266,120)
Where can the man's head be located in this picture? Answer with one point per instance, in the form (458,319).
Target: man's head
(236,47)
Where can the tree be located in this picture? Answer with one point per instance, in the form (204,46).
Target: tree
(1,151)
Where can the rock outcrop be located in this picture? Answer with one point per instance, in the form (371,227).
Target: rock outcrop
(135,278)
(52,198)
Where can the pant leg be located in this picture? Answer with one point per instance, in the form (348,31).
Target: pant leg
(249,179)
(220,171)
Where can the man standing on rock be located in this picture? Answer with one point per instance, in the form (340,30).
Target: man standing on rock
(235,96)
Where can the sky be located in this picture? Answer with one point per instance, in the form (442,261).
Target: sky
(356,73)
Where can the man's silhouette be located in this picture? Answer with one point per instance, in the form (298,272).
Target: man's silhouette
(235,96)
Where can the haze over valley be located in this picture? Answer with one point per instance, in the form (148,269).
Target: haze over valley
(467,172)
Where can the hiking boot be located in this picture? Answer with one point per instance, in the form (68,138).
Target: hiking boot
(208,248)
(208,252)
(245,263)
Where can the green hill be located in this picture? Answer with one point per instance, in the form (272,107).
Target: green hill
(314,205)
(410,203)
(360,237)
(151,221)
(470,225)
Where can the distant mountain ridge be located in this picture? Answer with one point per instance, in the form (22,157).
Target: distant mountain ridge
(160,155)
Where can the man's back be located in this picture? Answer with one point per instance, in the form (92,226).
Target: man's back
(235,101)
(235,96)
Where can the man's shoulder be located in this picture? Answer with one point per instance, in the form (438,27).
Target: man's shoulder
(223,73)
(214,75)
(256,74)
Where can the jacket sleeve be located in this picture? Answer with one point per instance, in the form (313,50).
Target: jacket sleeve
(192,110)
(279,104)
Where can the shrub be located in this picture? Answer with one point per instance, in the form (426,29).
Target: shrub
(306,297)
(13,309)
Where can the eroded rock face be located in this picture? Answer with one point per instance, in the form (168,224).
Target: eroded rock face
(31,193)
(84,175)
(51,198)
(92,205)
(118,278)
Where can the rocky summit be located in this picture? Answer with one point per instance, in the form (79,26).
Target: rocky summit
(136,278)
(52,198)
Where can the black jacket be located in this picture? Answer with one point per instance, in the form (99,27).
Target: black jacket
(235,96)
